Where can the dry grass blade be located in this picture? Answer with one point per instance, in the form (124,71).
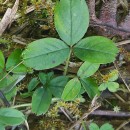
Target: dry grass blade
(8,17)
(6,2)
(84,117)
(123,124)
(122,77)
(94,106)
(5,21)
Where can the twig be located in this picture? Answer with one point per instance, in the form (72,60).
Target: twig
(26,123)
(123,124)
(13,103)
(110,113)
(67,62)
(5,21)
(122,42)
(122,77)
(8,17)
(11,70)
(14,11)
(6,2)
(120,98)
(62,109)
(28,10)
(20,28)
(22,105)
(19,40)
(84,116)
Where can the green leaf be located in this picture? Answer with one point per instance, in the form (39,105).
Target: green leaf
(82,90)
(113,75)
(71,20)
(32,84)
(107,126)
(87,69)
(26,94)
(96,49)
(90,87)
(50,76)
(57,85)
(8,83)
(43,78)
(45,53)
(112,86)
(3,41)
(2,61)
(71,90)
(41,100)
(13,60)
(12,93)
(8,80)
(93,126)
(2,127)
(103,87)
(10,116)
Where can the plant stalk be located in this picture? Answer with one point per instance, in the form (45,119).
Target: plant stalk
(22,105)
(67,62)
(30,104)
(11,70)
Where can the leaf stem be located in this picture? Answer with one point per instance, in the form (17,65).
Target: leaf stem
(22,105)
(67,62)
(30,104)
(11,70)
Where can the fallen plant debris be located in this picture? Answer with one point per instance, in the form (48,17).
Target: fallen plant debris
(110,113)
(8,17)
(107,24)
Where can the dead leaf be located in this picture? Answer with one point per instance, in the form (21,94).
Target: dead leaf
(8,17)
